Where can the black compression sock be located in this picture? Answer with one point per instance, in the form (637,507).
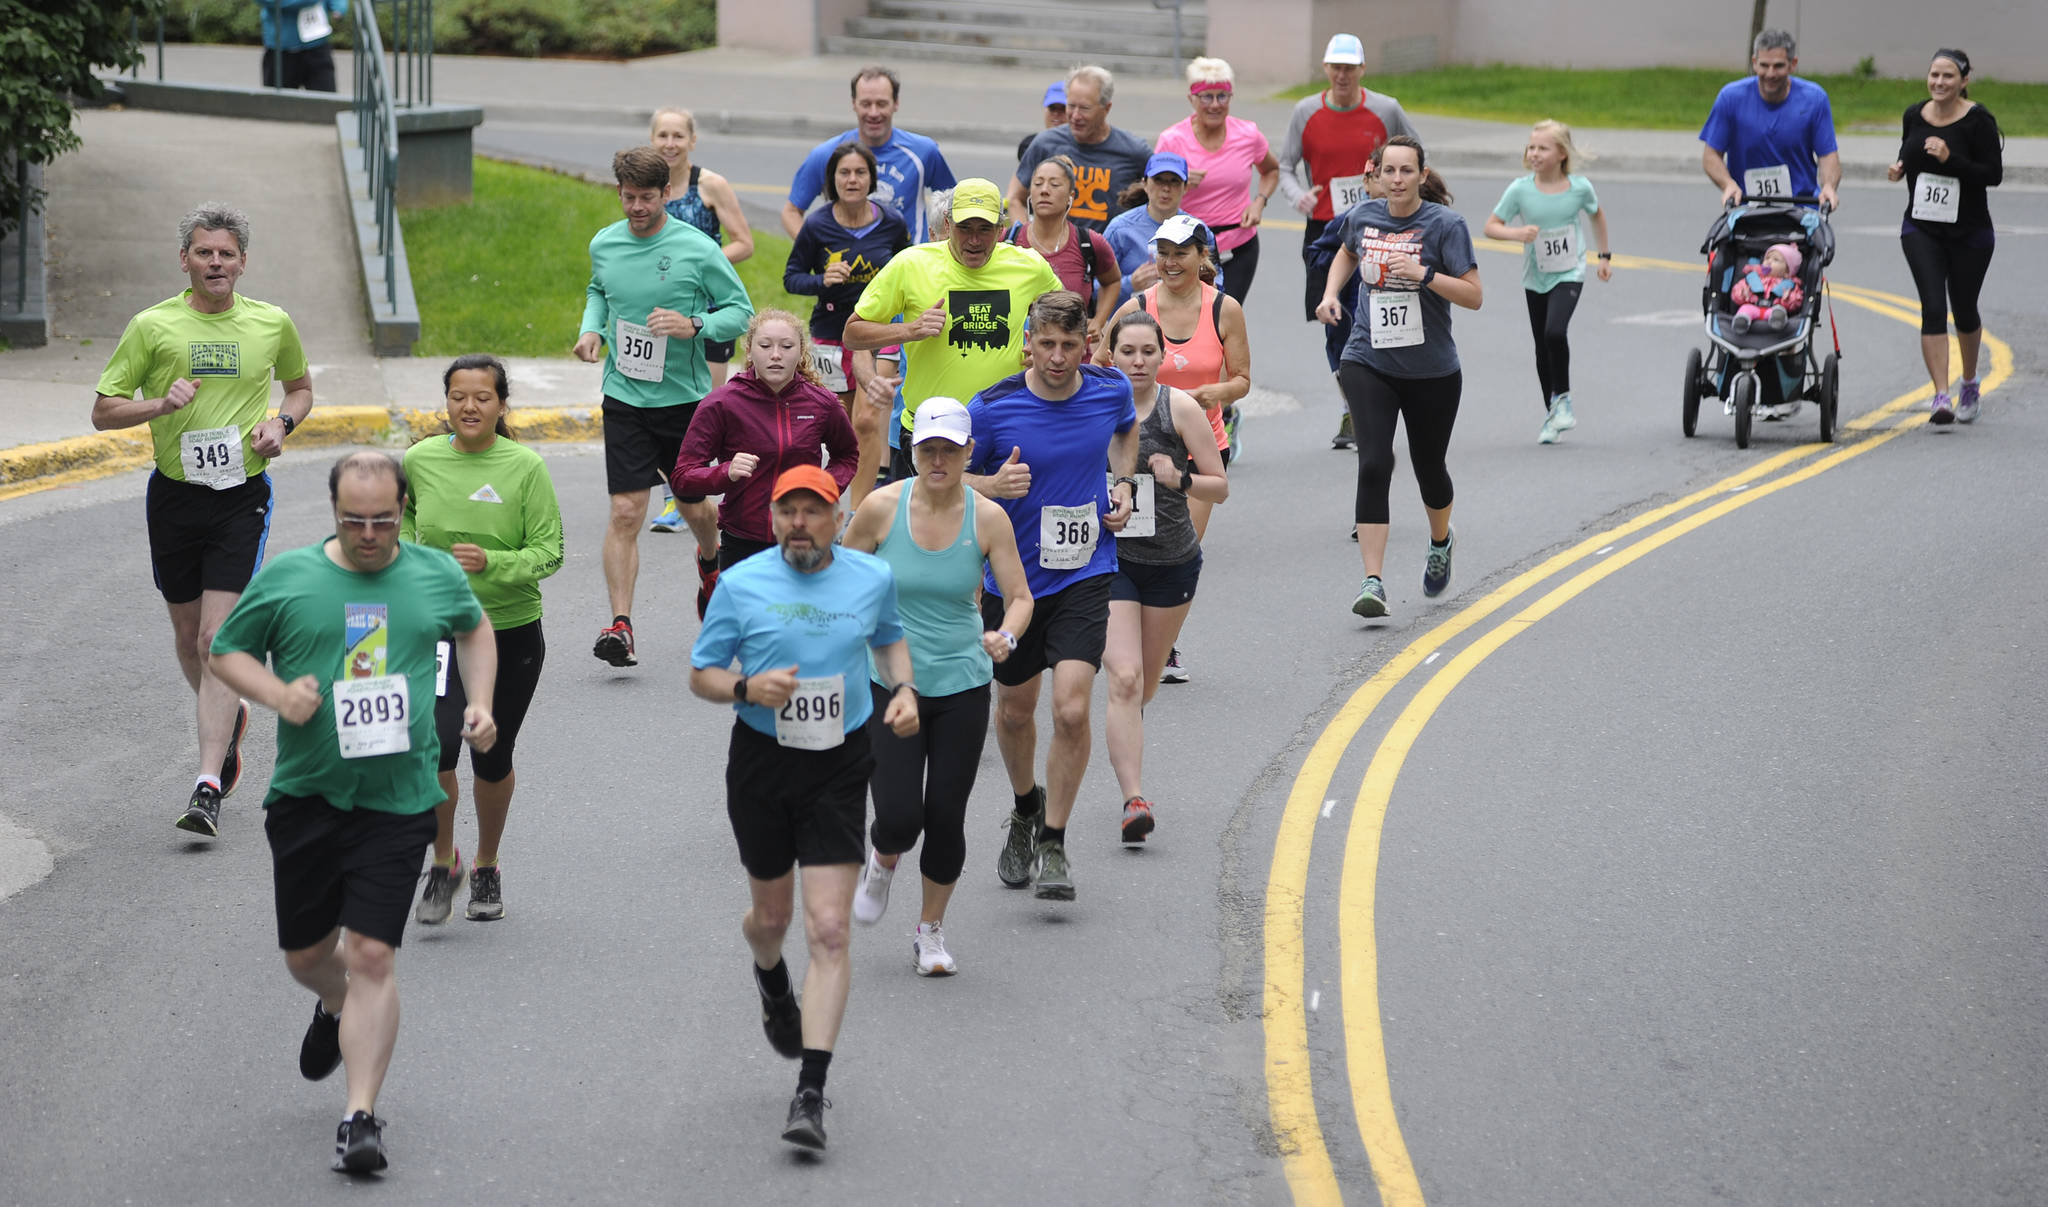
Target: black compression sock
(774,981)
(1027,804)
(1439,544)
(623,619)
(812,1075)
(1056,834)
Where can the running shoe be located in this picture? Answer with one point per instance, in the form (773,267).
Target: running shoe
(670,519)
(1778,411)
(320,1051)
(1230,432)
(928,950)
(1013,862)
(1944,411)
(1436,572)
(1561,414)
(1547,434)
(231,762)
(1372,598)
(707,581)
(1175,671)
(202,815)
(1137,820)
(872,897)
(615,645)
(782,1018)
(1343,438)
(1055,878)
(359,1144)
(806,1126)
(438,898)
(1966,404)
(486,894)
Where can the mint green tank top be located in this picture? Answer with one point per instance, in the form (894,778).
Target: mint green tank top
(935,596)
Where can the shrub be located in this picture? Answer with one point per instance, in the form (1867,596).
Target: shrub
(527,28)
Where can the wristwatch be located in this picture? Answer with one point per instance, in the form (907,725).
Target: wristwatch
(1124,479)
(1005,635)
(739,690)
(1428,275)
(288,422)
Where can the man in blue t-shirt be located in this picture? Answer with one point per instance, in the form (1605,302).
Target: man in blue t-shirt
(1773,136)
(908,167)
(1041,439)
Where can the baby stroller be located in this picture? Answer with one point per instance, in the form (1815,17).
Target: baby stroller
(1760,366)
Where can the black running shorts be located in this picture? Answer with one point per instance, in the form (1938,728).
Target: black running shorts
(641,444)
(521,653)
(202,539)
(1067,626)
(331,867)
(787,807)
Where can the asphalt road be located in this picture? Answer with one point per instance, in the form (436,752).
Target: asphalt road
(1719,883)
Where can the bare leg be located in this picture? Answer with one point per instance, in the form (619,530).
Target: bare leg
(1066,760)
(719,369)
(322,969)
(1934,350)
(702,517)
(1123,663)
(936,896)
(1161,628)
(767,921)
(193,626)
(622,548)
(1372,548)
(1972,342)
(1017,732)
(444,817)
(493,802)
(369,1019)
(828,906)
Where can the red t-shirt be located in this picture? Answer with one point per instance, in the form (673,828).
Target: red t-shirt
(1338,142)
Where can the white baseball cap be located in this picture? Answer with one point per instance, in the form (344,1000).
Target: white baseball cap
(1180,229)
(1345,48)
(941,419)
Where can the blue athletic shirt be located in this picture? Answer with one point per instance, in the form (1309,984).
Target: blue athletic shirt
(1751,134)
(908,168)
(770,615)
(1066,444)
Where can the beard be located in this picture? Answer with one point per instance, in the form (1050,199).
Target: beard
(804,559)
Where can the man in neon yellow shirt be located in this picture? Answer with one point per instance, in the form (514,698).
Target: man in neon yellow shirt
(968,296)
(203,363)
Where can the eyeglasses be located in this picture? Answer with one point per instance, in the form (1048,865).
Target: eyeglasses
(374,523)
(1212,98)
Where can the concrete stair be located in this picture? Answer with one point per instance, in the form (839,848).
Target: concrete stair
(1129,37)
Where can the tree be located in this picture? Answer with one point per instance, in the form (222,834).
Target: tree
(48,53)
(1756,26)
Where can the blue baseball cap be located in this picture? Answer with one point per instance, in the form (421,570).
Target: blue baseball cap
(1056,94)
(1166,161)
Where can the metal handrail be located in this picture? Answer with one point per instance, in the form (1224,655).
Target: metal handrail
(1175,5)
(377,134)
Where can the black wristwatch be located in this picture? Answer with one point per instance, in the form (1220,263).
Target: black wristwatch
(739,690)
(1187,478)
(1428,275)
(1124,479)
(288,422)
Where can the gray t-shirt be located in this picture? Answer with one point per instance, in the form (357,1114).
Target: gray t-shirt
(1435,235)
(1107,168)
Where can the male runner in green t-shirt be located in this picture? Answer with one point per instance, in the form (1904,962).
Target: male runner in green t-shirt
(350,626)
(203,362)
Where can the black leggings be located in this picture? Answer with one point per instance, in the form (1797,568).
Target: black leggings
(1954,267)
(922,782)
(1550,314)
(1243,266)
(1429,405)
(521,651)
(732,550)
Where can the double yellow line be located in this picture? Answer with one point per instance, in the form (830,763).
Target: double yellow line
(1289,1076)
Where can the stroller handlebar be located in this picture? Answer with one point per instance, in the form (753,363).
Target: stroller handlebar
(1798,199)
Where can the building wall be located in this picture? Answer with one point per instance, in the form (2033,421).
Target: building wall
(786,26)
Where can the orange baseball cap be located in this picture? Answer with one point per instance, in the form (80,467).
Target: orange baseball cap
(806,477)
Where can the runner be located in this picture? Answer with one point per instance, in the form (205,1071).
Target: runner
(1082,258)
(350,626)
(839,250)
(1401,364)
(656,287)
(1040,438)
(1224,155)
(298,37)
(1055,114)
(1151,202)
(1107,160)
(935,534)
(1548,202)
(1319,255)
(1951,153)
(908,167)
(1156,573)
(1332,137)
(799,626)
(488,500)
(964,301)
(203,362)
(706,201)
(772,416)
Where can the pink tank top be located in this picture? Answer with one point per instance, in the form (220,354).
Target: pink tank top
(1197,360)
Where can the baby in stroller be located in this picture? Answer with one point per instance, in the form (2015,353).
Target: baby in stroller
(1768,291)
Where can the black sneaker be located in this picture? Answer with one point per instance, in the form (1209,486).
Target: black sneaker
(231,763)
(806,1126)
(438,898)
(320,1051)
(1013,862)
(359,1144)
(202,816)
(783,1019)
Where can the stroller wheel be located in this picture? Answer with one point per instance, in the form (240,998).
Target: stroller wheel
(1830,396)
(1692,392)
(1745,406)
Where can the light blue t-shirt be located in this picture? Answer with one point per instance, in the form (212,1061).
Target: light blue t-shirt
(769,615)
(908,169)
(1751,134)
(1523,202)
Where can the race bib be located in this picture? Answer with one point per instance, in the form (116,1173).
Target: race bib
(1144,521)
(1557,249)
(442,650)
(829,360)
(1345,192)
(640,353)
(371,716)
(1066,536)
(1937,198)
(1774,181)
(313,24)
(813,718)
(1396,319)
(213,457)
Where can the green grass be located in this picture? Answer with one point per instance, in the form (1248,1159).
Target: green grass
(505,273)
(1668,98)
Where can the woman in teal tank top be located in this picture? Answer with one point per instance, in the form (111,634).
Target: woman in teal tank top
(936,534)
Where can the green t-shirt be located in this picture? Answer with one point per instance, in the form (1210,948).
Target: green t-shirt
(232,355)
(985,309)
(677,268)
(1549,212)
(500,500)
(312,617)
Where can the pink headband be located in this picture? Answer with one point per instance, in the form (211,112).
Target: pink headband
(1200,86)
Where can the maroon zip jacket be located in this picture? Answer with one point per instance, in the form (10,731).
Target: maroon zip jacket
(790,429)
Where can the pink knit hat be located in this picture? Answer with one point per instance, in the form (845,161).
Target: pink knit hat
(1792,257)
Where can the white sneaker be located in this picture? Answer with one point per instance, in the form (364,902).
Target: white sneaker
(928,947)
(1547,434)
(872,897)
(1561,415)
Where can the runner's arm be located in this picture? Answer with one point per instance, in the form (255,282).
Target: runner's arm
(1108,283)
(871,521)
(1828,171)
(1237,362)
(1015,201)
(797,276)
(731,309)
(693,475)
(1291,185)
(1599,219)
(1103,349)
(999,546)
(478,654)
(731,218)
(540,540)
(1459,291)
(1209,482)
(267,437)
(110,413)
(1715,165)
(250,679)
